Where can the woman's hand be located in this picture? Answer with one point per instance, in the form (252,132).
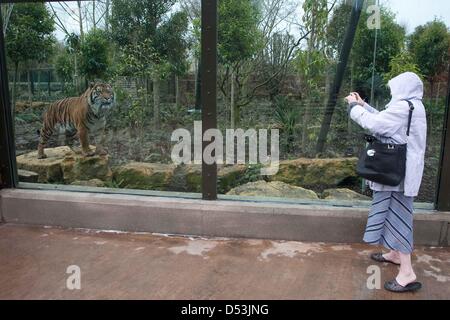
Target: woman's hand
(354,97)
(351,98)
(358,97)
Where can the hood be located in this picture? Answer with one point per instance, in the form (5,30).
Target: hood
(406,86)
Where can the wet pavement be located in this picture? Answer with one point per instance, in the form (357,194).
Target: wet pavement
(34,262)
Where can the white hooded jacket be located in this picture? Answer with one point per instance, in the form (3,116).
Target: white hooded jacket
(390,126)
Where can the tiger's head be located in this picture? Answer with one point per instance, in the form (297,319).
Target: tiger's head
(101,96)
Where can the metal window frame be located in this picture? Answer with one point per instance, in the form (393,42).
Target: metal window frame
(209,91)
(8,167)
(442,202)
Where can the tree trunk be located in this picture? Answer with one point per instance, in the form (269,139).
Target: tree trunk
(93,14)
(177,91)
(432,89)
(307,106)
(147,91)
(14,90)
(75,74)
(107,15)
(6,16)
(198,87)
(30,86)
(49,83)
(306,119)
(352,88)
(233,110)
(156,97)
(38,81)
(80,20)
(438,91)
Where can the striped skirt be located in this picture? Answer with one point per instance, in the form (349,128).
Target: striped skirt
(390,221)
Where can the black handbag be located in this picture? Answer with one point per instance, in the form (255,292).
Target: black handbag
(384,163)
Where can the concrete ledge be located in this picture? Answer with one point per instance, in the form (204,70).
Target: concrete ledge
(203,218)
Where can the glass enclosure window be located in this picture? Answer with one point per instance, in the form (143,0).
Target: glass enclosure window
(98,88)
(278,71)
(107,93)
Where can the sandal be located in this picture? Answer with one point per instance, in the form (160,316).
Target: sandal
(394,286)
(378,257)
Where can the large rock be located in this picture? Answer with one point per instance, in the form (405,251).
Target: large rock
(27,176)
(168,177)
(343,194)
(146,176)
(273,189)
(62,165)
(229,177)
(316,172)
(89,183)
(307,173)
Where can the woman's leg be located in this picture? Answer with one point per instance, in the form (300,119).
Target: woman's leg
(406,274)
(375,223)
(393,256)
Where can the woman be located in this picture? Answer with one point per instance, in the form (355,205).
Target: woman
(390,221)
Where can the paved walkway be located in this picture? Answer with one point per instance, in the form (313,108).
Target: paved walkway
(34,260)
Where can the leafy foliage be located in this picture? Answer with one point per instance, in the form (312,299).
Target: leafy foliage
(239,36)
(430,46)
(403,62)
(94,50)
(390,43)
(287,117)
(29,35)
(64,66)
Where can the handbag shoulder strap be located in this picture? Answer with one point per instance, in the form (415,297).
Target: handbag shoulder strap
(411,109)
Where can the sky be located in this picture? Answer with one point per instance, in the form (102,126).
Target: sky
(410,13)
(413,13)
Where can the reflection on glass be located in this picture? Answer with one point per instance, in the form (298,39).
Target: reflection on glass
(98,87)
(277,72)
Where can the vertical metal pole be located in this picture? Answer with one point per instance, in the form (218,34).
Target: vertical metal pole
(8,176)
(209,90)
(443,188)
(375,48)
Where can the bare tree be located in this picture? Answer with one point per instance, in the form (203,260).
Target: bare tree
(6,14)
(250,76)
(80,20)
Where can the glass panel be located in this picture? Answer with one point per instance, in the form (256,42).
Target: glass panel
(117,75)
(277,73)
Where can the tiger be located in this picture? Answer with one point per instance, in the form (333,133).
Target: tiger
(79,116)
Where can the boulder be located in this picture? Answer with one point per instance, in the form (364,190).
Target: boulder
(273,189)
(193,177)
(62,165)
(146,176)
(343,194)
(229,177)
(168,177)
(316,172)
(89,183)
(189,178)
(27,176)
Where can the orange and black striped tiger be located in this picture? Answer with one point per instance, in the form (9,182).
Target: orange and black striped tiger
(79,116)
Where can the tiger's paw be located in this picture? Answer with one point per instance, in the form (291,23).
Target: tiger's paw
(101,151)
(89,153)
(75,150)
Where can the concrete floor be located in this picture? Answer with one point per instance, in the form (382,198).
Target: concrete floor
(34,260)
